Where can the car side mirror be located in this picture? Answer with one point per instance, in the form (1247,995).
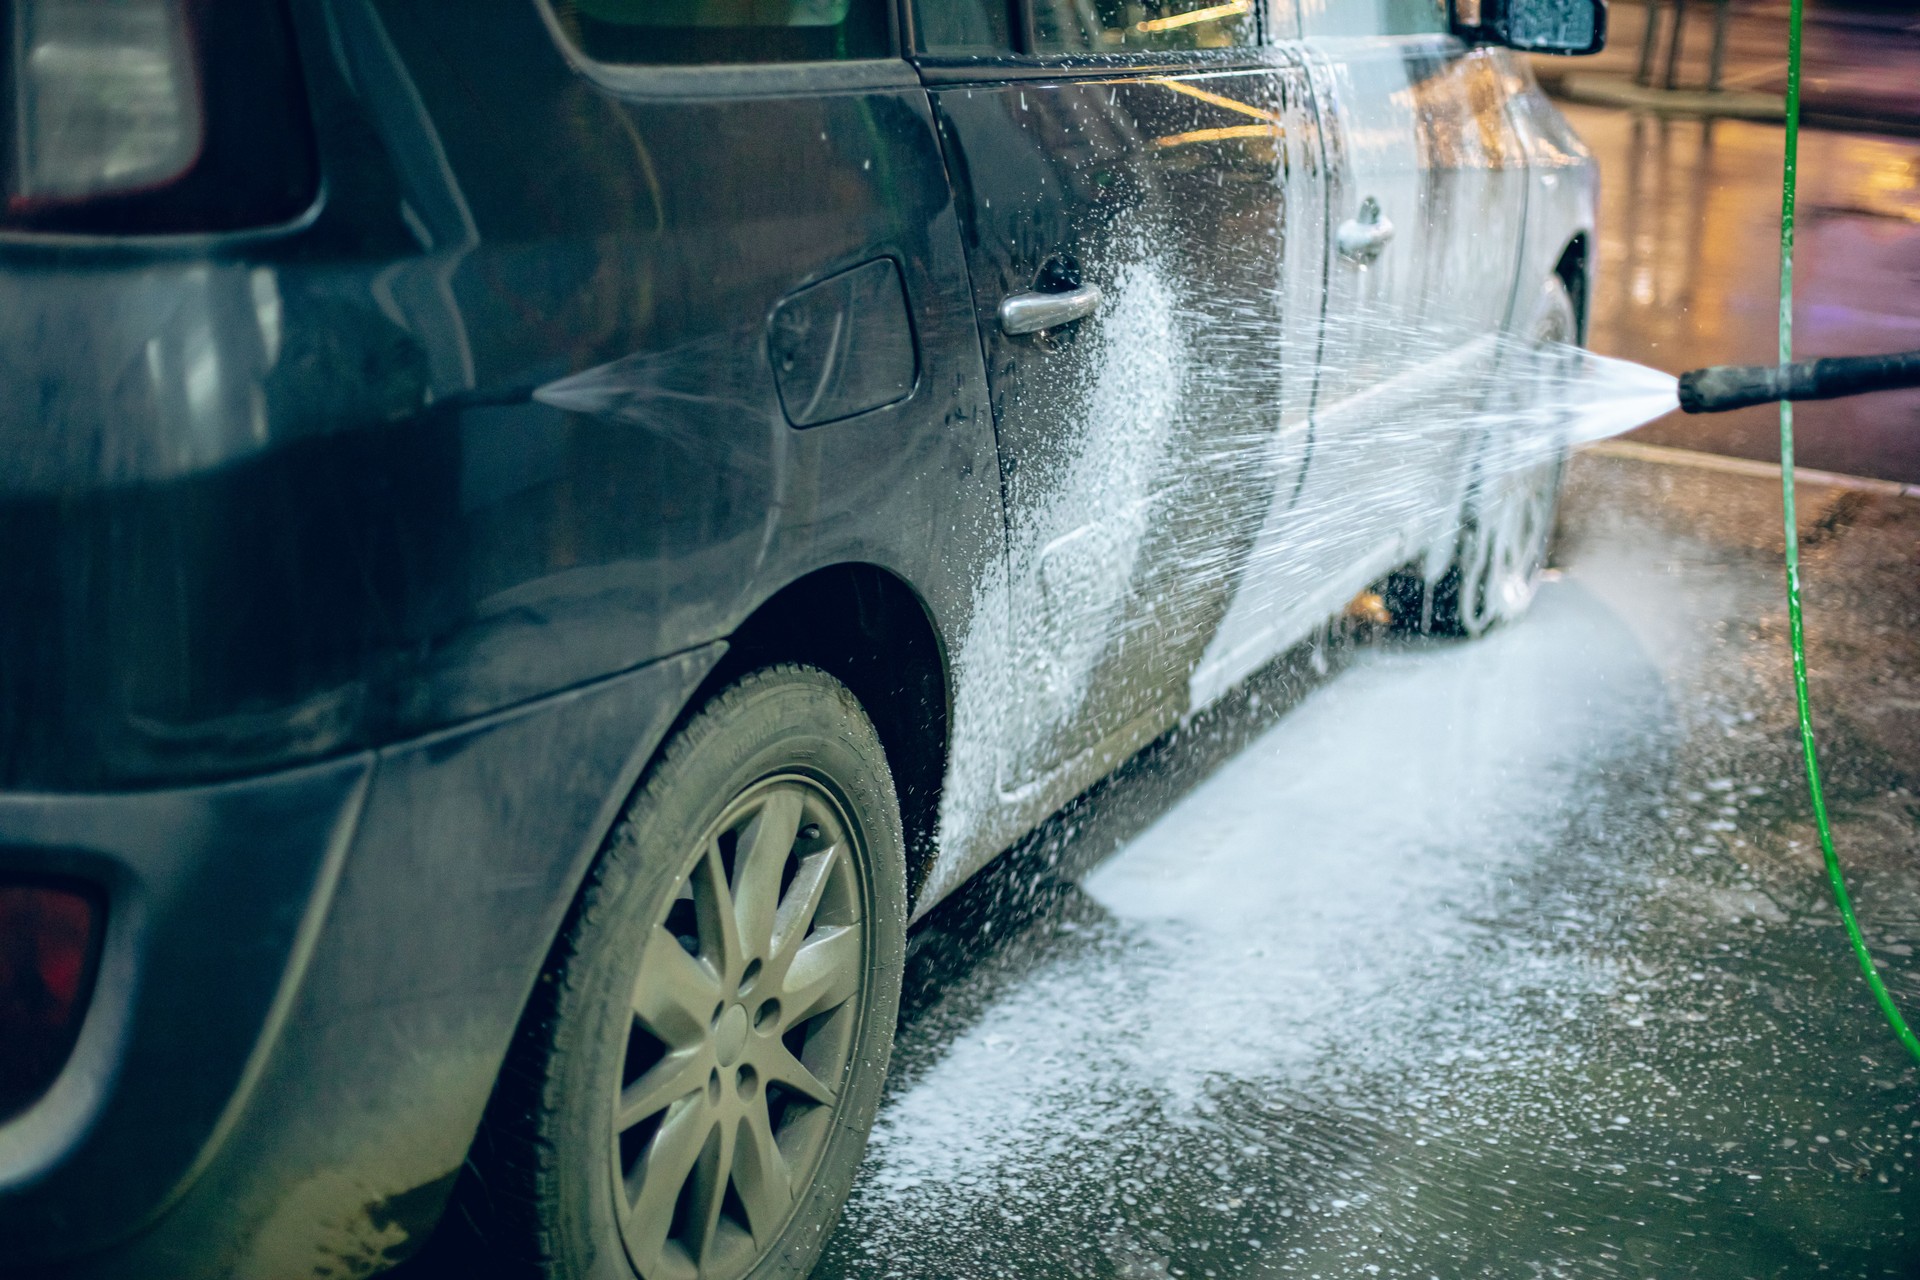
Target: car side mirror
(1534,26)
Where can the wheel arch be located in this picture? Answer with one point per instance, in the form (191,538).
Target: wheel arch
(868,628)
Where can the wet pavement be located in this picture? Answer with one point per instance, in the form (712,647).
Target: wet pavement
(1438,959)
(1688,275)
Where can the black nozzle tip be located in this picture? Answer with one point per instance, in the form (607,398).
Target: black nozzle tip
(1690,396)
(1720,387)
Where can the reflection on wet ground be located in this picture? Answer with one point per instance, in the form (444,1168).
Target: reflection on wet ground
(1479,959)
(1688,275)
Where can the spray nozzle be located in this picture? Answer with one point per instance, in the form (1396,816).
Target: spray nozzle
(1729,386)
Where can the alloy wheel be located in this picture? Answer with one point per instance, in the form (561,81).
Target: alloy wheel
(1507,546)
(1505,542)
(743,1022)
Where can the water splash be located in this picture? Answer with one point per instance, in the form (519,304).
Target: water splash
(1205,506)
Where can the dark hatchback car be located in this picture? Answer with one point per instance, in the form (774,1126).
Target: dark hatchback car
(540,535)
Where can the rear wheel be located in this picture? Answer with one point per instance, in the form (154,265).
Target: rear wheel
(690,1091)
(1507,521)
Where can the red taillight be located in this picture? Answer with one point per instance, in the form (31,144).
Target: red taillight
(151,116)
(49,936)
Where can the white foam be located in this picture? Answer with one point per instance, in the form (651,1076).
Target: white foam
(1280,908)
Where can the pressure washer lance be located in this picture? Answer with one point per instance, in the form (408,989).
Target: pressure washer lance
(1721,387)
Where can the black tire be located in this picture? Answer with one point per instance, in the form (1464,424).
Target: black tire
(543,1187)
(1506,523)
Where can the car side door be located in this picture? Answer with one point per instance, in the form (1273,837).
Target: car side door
(1427,187)
(1145,179)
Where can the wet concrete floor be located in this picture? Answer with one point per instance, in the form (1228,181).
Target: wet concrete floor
(1688,272)
(1461,959)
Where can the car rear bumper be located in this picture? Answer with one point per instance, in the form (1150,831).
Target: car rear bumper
(210,893)
(307,984)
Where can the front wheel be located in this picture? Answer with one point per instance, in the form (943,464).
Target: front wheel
(1507,521)
(690,1091)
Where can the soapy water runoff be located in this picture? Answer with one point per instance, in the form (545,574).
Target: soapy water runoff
(1488,959)
(1402,987)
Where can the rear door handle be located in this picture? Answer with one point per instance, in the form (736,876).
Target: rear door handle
(1362,237)
(1031,312)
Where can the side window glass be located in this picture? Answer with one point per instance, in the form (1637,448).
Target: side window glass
(1127,26)
(1413,17)
(1373,17)
(697,32)
(979,28)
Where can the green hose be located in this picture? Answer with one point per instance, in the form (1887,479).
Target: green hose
(1795,628)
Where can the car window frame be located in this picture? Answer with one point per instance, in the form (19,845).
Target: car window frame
(1026,32)
(740,79)
(1021,63)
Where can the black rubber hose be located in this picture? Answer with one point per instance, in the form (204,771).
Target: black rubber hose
(1733,386)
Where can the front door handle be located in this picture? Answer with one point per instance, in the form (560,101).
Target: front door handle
(1031,312)
(1362,237)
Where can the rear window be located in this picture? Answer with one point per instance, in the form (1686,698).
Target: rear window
(705,32)
(1126,26)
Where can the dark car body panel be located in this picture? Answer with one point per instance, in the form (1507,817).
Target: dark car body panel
(466,436)
(301,494)
(215,893)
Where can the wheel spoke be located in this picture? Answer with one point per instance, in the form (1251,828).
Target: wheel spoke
(783,1068)
(710,1177)
(675,993)
(662,1172)
(713,907)
(802,902)
(825,974)
(758,864)
(760,1175)
(680,1073)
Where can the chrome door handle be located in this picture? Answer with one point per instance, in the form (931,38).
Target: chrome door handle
(1362,237)
(1031,312)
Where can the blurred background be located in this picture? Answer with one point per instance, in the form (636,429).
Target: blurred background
(1689,136)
